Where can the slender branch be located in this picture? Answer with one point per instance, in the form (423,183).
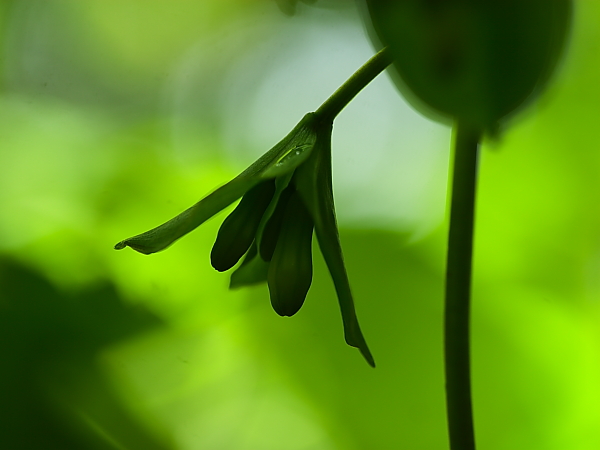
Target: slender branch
(458,289)
(347,91)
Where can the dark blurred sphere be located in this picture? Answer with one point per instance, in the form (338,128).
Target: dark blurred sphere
(472,60)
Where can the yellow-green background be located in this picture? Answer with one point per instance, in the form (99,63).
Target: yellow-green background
(117,115)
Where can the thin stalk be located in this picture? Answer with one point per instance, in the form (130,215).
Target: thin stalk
(347,91)
(458,290)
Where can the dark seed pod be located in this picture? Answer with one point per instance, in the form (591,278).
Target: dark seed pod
(290,270)
(472,60)
(238,230)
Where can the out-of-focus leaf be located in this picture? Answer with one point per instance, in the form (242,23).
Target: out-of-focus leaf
(476,61)
(54,393)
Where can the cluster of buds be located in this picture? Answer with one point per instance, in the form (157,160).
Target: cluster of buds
(286,195)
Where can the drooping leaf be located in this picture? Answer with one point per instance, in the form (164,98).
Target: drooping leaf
(314,183)
(161,237)
(282,159)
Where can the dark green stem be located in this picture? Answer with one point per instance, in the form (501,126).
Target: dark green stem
(458,290)
(347,91)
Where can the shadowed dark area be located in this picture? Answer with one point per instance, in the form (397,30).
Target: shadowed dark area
(54,394)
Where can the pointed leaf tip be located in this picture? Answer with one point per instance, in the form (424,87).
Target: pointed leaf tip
(364,350)
(164,235)
(314,184)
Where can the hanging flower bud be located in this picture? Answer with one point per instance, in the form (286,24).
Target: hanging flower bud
(290,269)
(269,234)
(238,230)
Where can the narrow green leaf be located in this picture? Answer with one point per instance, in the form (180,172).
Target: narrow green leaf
(282,159)
(239,228)
(161,237)
(313,180)
(290,270)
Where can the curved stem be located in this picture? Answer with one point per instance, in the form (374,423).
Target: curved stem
(458,289)
(347,91)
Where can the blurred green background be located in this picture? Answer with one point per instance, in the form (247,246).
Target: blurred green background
(117,115)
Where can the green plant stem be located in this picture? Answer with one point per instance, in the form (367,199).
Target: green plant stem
(460,250)
(458,290)
(347,91)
